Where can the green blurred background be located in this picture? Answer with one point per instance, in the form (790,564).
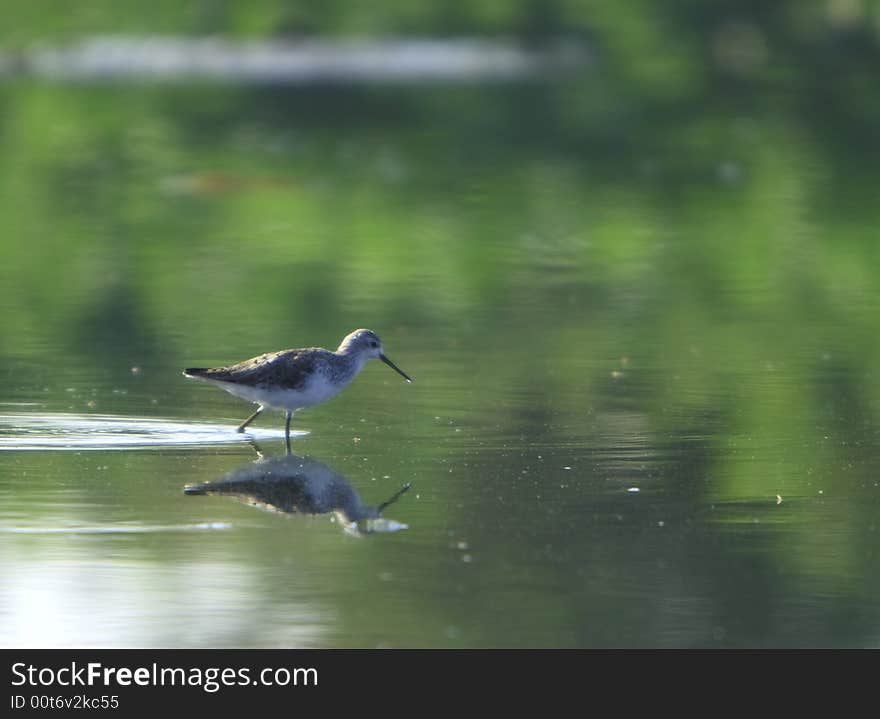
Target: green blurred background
(657,272)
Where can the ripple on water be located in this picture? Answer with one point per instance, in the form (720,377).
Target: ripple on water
(119,528)
(60,431)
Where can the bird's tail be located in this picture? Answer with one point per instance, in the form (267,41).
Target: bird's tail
(195,372)
(194,489)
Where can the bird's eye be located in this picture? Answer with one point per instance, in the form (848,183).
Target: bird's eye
(374,344)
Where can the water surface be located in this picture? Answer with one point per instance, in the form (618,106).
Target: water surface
(641,318)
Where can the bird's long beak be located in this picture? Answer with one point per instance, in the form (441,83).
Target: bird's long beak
(395,368)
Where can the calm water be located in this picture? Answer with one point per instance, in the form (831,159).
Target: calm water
(644,350)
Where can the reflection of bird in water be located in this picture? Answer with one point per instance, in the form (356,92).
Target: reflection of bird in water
(294,484)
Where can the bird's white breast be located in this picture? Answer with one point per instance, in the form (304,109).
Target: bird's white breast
(315,391)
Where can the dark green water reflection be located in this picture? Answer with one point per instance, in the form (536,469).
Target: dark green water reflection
(642,319)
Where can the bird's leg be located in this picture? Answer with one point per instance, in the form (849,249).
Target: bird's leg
(287,430)
(388,502)
(250,419)
(253,443)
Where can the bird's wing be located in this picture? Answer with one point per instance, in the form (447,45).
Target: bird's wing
(289,369)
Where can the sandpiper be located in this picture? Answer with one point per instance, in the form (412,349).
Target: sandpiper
(297,378)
